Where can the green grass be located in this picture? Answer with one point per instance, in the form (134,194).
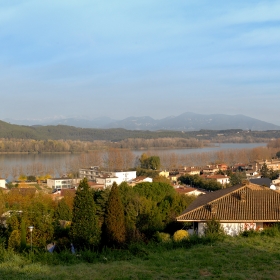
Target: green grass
(234,258)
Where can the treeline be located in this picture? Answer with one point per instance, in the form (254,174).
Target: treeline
(70,146)
(172,160)
(112,217)
(139,143)
(123,159)
(64,132)
(48,146)
(199,182)
(274,144)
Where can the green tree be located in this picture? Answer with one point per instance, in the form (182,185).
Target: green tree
(114,223)
(264,171)
(273,174)
(237,178)
(63,211)
(152,162)
(31,178)
(22,234)
(84,231)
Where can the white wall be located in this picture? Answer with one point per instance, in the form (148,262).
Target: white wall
(124,176)
(233,228)
(2,183)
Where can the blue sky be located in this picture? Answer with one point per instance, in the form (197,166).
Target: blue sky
(136,58)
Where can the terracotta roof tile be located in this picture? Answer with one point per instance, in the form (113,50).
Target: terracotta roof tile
(259,204)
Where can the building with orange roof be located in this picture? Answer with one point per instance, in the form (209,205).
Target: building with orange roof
(237,208)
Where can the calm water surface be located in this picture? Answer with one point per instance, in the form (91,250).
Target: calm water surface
(217,147)
(10,160)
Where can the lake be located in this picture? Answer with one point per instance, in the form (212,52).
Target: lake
(12,165)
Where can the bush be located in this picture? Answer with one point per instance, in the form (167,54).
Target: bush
(180,235)
(250,233)
(271,231)
(213,230)
(14,240)
(162,237)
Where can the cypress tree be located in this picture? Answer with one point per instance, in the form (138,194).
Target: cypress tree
(63,211)
(22,234)
(114,224)
(84,231)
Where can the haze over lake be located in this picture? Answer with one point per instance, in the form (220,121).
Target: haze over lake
(59,163)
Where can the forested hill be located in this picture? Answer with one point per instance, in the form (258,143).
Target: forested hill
(10,131)
(74,133)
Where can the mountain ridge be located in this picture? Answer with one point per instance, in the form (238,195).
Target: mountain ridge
(187,121)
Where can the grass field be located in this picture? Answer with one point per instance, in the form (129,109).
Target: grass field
(233,258)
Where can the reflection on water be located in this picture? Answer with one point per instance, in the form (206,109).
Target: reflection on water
(216,147)
(12,165)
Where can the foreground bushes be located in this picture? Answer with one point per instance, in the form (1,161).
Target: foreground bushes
(138,250)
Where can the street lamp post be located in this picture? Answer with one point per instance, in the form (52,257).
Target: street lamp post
(31,229)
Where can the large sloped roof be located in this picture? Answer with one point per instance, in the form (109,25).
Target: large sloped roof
(239,203)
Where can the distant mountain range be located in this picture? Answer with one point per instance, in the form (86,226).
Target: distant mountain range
(184,122)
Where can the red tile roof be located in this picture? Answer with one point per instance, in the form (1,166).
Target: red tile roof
(236,204)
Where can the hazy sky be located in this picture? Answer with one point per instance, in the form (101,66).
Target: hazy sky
(136,58)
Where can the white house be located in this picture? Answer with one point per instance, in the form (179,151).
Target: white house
(124,176)
(237,208)
(62,183)
(93,173)
(107,180)
(2,183)
(222,179)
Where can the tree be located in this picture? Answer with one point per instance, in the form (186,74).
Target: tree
(114,223)
(22,234)
(63,211)
(237,178)
(278,154)
(162,179)
(152,162)
(31,178)
(264,171)
(273,174)
(84,231)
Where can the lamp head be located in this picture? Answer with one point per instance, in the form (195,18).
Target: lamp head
(30,228)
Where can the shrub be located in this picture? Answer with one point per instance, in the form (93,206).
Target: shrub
(250,233)
(214,230)
(271,231)
(180,235)
(162,237)
(14,240)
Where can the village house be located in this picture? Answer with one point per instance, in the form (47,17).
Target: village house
(188,191)
(164,173)
(140,179)
(238,208)
(222,166)
(191,170)
(273,164)
(222,179)
(2,183)
(62,183)
(210,169)
(173,177)
(107,178)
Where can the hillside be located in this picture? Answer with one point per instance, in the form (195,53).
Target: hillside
(184,122)
(11,131)
(234,258)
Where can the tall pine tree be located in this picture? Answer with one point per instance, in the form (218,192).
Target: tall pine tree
(114,223)
(84,231)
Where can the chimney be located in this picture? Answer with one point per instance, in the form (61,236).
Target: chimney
(213,208)
(243,195)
